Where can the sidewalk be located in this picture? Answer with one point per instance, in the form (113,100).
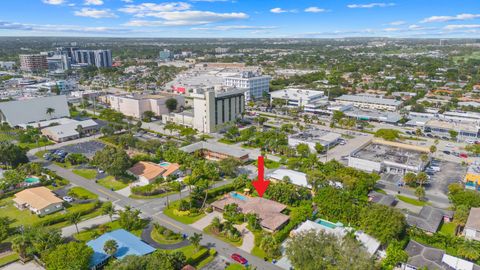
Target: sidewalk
(85,225)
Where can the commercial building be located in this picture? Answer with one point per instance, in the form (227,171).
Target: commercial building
(269,212)
(295,177)
(373,115)
(71,131)
(147,172)
(137,105)
(472,227)
(39,200)
(313,136)
(33,62)
(216,151)
(472,177)
(256,85)
(370,102)
(444,129)
(58,63)
(128,244)
(33,110)
(7,65)
(309,100)
(390,157)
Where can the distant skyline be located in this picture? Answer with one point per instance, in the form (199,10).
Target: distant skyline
(241,18)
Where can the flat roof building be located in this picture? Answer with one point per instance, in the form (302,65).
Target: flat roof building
(442,128)
(33,62)
(71,131)
(256,85)
(370,102)
(137,105)
(310,100)
(33,110)
(381,156)
(472,227)
(216,151)
(313,136)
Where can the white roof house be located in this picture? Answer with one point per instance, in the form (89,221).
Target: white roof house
(297,178)
(33,110)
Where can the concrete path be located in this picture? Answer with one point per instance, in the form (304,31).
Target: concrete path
(85,225)
(125,191)
(205,221)
(31,265)
(147,238)
(248,238)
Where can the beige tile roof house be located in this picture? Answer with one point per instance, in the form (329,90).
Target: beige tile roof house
(146,172)
(40,200)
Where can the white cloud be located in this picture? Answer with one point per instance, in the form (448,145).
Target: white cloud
(233,27)
(183,18)
(54,2)
(144,8)
(395,23)
(95,13)
(461,26)
(93,2)
(278,10)
(371,5)
(53,28)
(314,9)
(391,29)
(459,17)
(127,1)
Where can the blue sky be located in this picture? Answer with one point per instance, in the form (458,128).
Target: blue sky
(241,18)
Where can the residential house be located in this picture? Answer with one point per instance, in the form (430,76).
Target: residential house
(384,199)
(429,219)
(472,227)
(40,200)
(146,172)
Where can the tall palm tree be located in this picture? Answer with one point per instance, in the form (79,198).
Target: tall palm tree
(195,240)
(109,210)
(110,247)
(75,219)
(20,245)
(50,111)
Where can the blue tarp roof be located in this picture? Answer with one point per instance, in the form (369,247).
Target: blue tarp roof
(128,244)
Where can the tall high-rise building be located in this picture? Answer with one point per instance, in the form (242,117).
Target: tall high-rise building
(98,58)
(33,62)
(58,62)
(255,84)
(213,108)
(165,55)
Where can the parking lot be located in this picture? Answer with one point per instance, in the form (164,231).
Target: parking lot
(450,173)
(86,148)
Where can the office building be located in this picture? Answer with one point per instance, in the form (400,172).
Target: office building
(256,85)
(309,100)
(137,105)
(165,55)
(220,50)
(58,63)
(313,136)
(7,65)
(33,62)
(211,109)
(370,102)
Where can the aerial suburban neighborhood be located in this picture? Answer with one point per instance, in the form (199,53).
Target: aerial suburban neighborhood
(165,136)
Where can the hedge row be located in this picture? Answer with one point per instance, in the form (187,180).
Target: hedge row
(198,257)
(89,208)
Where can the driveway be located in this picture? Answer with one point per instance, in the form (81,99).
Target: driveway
(248,238)
(147,238)
(125,191)
(19,266)
(205,221)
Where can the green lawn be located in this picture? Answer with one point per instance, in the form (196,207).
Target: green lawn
(411,201)
(189,251)
(257,251)
(448,229)
(8,259)
(88,235)
(4,137)
(35,145)
(170,212)
(86,173)
(225,141)
(160,238)
(235,266)
(81,193)
(140,197)
(270,164)
(208,230)
(111,183)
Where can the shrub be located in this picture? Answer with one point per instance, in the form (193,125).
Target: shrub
(198,257)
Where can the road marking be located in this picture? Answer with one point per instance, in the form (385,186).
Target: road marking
(108,194)
(168,222)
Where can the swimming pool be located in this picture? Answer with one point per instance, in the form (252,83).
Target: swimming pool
(164,164)
(238,196)
(326,223)
(31,180)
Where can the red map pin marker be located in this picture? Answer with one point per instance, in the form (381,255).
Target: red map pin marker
(261,184)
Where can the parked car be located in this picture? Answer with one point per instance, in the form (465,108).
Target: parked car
(447,152)
(433,168)
(463,155)
(67,199)
(238,258)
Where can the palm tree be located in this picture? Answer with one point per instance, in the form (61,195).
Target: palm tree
(110,247)
(50,111)
(195,240)
(316,179)
(79,129)
(109,210)
(216,224)
(469,249)
(75,219)
(20,245)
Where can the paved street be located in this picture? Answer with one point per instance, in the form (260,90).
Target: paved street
(84,225)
